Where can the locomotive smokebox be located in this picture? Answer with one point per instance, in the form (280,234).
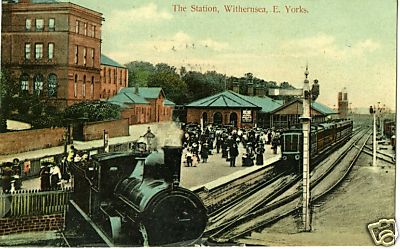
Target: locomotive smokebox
(172,160)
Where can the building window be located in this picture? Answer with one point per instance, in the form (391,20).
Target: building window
(38,51)
(39,24)
(76,54)
(77,26)
(92,55)
(52,24)
(76,86)
(84,86)
(24,83)
(38,85)
(28,24)
(27,51)
(109,75)
(52,85)
(120,77)
(92,88)
(94,31)
(51,51)
(85,28)
(84,56)
(115,71)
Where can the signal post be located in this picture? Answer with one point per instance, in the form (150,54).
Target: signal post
(307,96)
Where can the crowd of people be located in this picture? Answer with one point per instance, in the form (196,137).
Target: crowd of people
(52,174)
(199,143)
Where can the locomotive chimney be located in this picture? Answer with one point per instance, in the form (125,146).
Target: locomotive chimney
(172,160)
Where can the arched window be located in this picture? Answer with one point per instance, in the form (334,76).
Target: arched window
(204,116)
(84,86)
(52,85)
(38,84)
(233,118)
(24,79)
(217,118)
(76,86)
(92,88)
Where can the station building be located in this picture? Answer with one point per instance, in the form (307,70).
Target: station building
(142,105)
(53,49)
(289,114)
(232,108)
(229,108)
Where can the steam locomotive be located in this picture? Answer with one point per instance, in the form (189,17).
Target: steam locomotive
(324,138)
(133,199)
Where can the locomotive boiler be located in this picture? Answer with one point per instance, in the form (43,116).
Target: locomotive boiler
(324,138)
(134,199)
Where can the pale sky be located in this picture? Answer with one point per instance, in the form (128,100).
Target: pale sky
(346,43)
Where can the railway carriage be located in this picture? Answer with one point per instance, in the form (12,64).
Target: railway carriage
(324,138)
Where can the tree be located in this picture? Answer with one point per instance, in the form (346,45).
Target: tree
(174,88)
(139,72)
(8,94)
(93,110)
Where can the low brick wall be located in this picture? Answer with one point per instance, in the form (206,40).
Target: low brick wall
(115,128)
(31,224)
(22,141)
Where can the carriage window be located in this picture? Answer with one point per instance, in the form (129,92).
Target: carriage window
(291,143)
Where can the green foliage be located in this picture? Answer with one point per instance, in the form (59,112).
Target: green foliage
(174,87)
(203,85)
(8,93)
(139,72)
(182,86)
(93,111)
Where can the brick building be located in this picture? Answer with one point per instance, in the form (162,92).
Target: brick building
(53,49)
(143,104)
(289,114)
(230,108)
(113,77)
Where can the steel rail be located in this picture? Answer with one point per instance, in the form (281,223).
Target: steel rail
(276,205)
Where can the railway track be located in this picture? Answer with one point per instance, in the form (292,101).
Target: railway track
(217,198)
(247,216)
(380,155)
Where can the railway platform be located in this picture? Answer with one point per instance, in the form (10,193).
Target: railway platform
(218,168)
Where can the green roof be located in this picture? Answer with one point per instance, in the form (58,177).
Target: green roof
(322,108)
(267,104)
(150,92)
(226,99)
(168,102)
(127,98)
(145,92)
(104,60)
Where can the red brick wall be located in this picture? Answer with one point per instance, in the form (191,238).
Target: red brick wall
(112,80)
(21,141)
(30,224)
(194,115)
(64,38)
(115,128)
